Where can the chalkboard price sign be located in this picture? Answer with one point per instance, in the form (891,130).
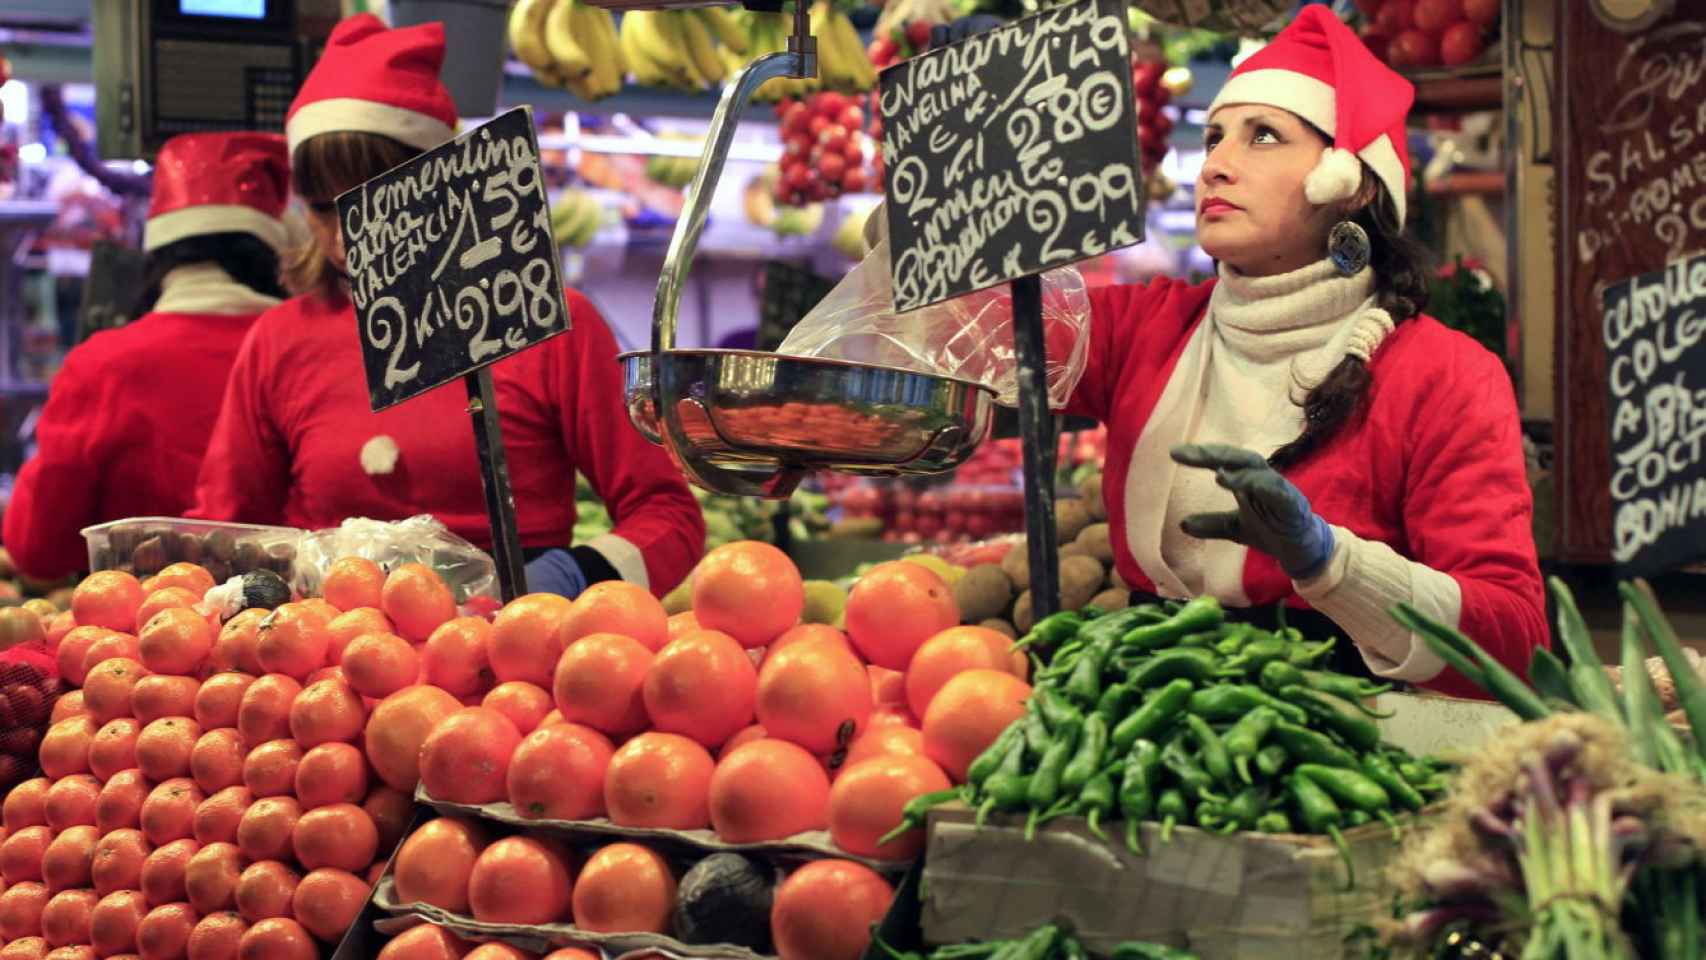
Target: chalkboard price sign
(1011,152)
(1654,328)
(451,261)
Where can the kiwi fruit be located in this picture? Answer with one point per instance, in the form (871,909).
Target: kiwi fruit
(983,592)
(1090,489)
(1080,579)
(1070,519)
(1110,600)
(1096,542)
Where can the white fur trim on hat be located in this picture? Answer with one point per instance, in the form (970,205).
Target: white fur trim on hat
(379,456)
(1367,331)
(1382,157)
(176,225)
(1336,177)
(1309,98)
(341,114)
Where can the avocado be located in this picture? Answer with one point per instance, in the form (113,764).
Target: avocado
(265,590)
(725,898)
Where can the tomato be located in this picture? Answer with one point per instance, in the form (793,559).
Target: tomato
(1415,48)
(1461,44)
(918,35)
(1435,15)
(1396,16)
(1481,12)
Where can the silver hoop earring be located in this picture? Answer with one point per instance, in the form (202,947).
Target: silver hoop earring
(1348,248)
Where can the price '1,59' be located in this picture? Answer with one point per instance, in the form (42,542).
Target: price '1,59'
(491,315)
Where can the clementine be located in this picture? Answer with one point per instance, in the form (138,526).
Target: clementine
(163,747)
(557,773)
(968,713)
(466,757)
(234,649)
(24,805)
(66,861)
(293,640)
(425,942)
(219,816)
(107,598)
(277,938)
(379,663)
(116,863)
(264,712)
(265,890)
(519,880)
(327,901)
(177,641)
(353,582)
(659,780)
(113,749)
(894,608)
(65,919)
(192,577)
(169,812)
(749,590)
(114,921)
(110,646)
(815,694)
(270,769)
(434,863)
(119,804)
(327,711)
(398,727)
(767,790)
(331,773)
(825,910)
(416,600)
(616,606)
(868,798)
(210,878)
(456,656)
(267,828)
(600,681)
(166,598)
(216,937)
(165,931)
(65,747)
(701,686)
(20,910)
(624,887)
(341,836)
(155,697)
(73,801)
(163,872)
(220,697)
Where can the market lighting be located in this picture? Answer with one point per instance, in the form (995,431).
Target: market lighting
(31,152)
(15,100)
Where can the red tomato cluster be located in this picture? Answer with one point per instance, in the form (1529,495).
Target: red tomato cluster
(1153,125)
(823,149)
(1428,33)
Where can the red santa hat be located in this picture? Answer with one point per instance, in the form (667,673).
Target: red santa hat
(1318,69)
(219,183)
(372,79)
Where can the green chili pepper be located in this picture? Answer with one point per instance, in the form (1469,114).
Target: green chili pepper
(1246,736)
(1054,709)
(1193,663)
(1157,713)
(1005,789)
(1347,786)
(1137,789)
(1378,769)
(1321,815)
(1391,822)
(989,760)
(1203,613)
(1415,772)
(1235,639)
(1229,702)
(1211,816)
(894,954)
(1200,640)
(1038,945)
(1088,758)
(1044,787)
(968,951)
(1271,759)
(1096,799)
(917,810)
(1342,685)
(1085,684)
(1256,655)
(1306,655)
(1193,779)
(1150,951)
(1117,701)
(1215,759)
(1274,821)
(1171,807)
(1358,818)
(1115,625)
(1307,746)
(1279,674)
(1074,950)
(1052,630)
(1359,732)
(1247,806)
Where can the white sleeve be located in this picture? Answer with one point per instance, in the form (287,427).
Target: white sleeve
(1362,582)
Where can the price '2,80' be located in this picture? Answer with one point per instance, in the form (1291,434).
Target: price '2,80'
(524,294)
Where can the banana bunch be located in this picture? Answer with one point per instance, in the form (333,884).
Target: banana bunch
(568,44)
(768,33)
(674,172)
(575,218)
(841,58)
(680,49)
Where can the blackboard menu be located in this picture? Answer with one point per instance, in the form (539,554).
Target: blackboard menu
(1011,152)
(451,261)
(1654,327)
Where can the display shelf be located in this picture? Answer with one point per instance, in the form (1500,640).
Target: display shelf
(1481,87)
(1489,182)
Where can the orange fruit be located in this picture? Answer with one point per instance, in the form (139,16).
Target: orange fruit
(67,706)
(113,922)
(825,909)
(110,646)
(434,863)
(165,932)
(466,757)
(119,804)
(107,598)
(72,801)
(263,713)
(456,656)
(277,938)
(894,608)
(391,810)
(33,948)
(767,790)
(116,863)
(888,741)
(166,598)
(186,576)
(525,704)
(74,650)
(353,582)
(379,664)
(570,953)
(219,698)
(57,627)
(625,888)
(65,919)
(416,600)
(331,773)
(600,681)
(163,747)
(163,872)
(524,641)
(327,901)
(968,713)
(327,711)
(808,631)
(177,641)
(346,627)
(682,623)
(615,606)
(217,760)
(815,694)
(217,936)
(270,769)
(234,648)
(65,747)
(169,812)
(398,727)
(554,717)
(219,816)
(20,910)
(107,688)
(701,686)
(749,590)
(425,942)
(952,652)
(867,800)
(293,640)
(558,773)
(340,835)
(324,673)
(65,862)
(888,687)
(743,737)
(492,950)
(267,828)
(113,749)
(519,880)
(265,890)
(24,806)
(210,878)
(659,780)
(80,951)
(157,696)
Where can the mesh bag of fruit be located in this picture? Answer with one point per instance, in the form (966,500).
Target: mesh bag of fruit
(968,337)
(29,686)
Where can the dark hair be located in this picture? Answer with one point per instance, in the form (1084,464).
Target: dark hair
(322,167)
(244,256)
(1400,266)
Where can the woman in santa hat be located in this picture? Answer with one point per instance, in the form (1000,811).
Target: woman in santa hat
(126,420)
(297,443)
(1298,430)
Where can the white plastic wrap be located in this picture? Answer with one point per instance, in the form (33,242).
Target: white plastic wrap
(469,571)
(969,337)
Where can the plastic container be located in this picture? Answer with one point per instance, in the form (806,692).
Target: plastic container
(146,545)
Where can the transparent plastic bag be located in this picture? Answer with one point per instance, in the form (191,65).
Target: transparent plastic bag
(468,570)
(969,337)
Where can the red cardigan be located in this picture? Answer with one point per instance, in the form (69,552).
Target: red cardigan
(288,443)
(1433,467)
(122,434)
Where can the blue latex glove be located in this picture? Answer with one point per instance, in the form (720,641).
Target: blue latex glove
(941,36)
(1273,516)
(555,571)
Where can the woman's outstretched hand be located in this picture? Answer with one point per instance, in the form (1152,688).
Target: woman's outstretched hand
(1273,516)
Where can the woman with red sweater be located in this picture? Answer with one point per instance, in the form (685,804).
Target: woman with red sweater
(296,442)
(126,420)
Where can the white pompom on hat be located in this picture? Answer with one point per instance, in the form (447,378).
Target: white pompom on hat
(1320,70)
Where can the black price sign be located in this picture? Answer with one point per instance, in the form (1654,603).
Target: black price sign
(1011,152)
(451,261)
(1654,328)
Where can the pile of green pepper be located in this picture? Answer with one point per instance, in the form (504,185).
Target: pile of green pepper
(1047,942)
(1171,713)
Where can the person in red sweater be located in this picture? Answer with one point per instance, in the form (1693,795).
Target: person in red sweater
(126,421)
(296,441)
